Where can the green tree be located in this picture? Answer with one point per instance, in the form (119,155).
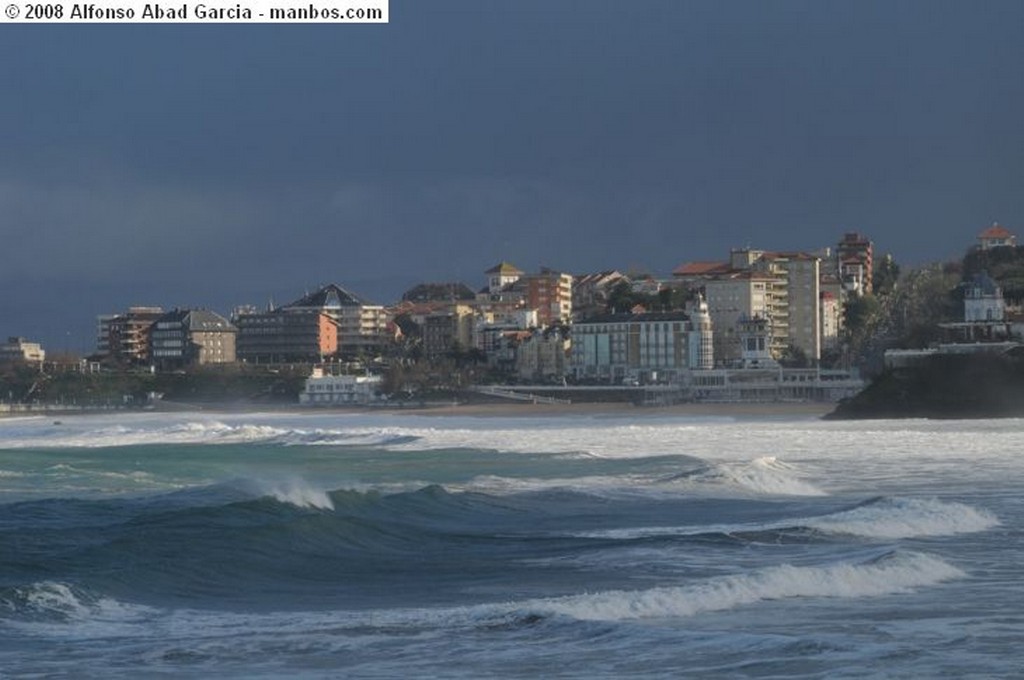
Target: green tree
(885,276)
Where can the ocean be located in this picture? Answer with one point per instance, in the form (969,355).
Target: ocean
(392,546)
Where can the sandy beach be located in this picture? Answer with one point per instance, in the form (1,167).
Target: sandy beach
(618,409)
(490,409)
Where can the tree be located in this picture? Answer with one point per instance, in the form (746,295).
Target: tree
(885,276)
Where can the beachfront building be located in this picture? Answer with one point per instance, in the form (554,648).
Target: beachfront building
(189,337)
(647,347)
(782,288)
(542,355)
(283,335)
(323,389)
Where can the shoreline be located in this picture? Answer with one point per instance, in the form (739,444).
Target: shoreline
(478,410)
(608,409)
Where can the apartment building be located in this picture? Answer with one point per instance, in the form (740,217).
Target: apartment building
(284,335)
(782,288)
(733,296)
(854,254)
(448,328)
(795,309)
(543,355)
(550,293)
(185,337)
(648,347)
(361,325)
(125,337)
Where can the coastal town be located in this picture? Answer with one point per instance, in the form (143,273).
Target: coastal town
(755,326)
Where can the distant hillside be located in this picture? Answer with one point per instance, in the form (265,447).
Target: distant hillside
(944,386)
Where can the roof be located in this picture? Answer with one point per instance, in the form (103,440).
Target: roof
(197,320)
(984,284)
(788,255)
(743,275)
(504,268)
(996,231)
(205,320)
(645,316)
(598,278)
(701,269)
(331,296)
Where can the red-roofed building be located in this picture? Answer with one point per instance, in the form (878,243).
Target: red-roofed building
(996,236)
(693,271)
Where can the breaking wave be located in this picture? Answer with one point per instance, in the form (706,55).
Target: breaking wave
(893,573)
(210,432)
(57,602)
(765,475)
(880,518)
(892,518)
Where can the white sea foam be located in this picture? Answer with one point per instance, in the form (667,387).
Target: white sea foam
(893,518)
(887,519)
(764,475)
(297,492)
(144,432)
(61,602)
(893,574)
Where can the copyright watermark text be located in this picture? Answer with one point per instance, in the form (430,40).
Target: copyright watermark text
(257,11)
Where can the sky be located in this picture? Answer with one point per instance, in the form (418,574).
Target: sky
(214,166)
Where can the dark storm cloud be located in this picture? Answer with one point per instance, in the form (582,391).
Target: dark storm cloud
(580,135)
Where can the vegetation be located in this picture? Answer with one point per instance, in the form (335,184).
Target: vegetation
(944,386)
(438,292)
(904,311)
(1005,265)
(203,385)
(623,298)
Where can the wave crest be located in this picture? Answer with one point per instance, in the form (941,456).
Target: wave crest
(894,573)
(893,518)
(764,475)
(213,432)
(57,602)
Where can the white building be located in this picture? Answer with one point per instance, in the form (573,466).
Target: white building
(983,300)
(20,349)
(332,390)
(651,347)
